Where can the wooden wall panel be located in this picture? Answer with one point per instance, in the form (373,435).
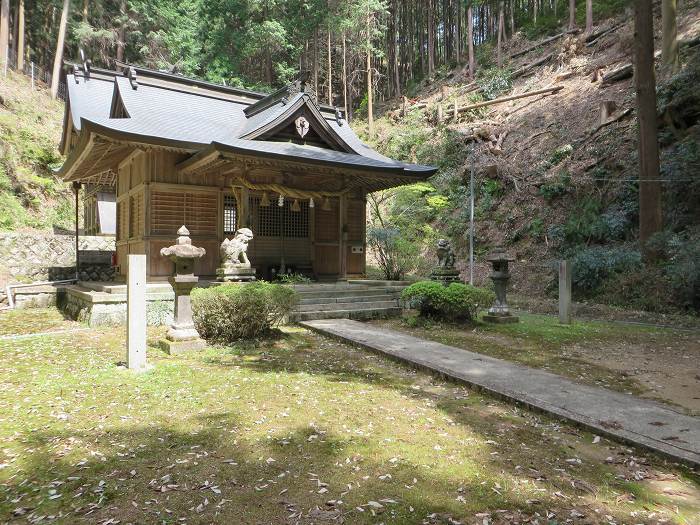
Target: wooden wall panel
(355,262)
(159,266)
(123,178)
(206,266)
(162,166)
(327,223)
(122,252)
(356,220)
(327,261)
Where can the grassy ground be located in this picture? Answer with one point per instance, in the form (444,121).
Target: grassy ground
(297,430)
(649,361)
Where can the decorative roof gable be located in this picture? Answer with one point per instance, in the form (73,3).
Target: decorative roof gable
(118,109)
(298,120)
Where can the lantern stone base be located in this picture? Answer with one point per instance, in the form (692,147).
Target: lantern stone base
(181,338)
(232,273)
(500,318)
(180,347)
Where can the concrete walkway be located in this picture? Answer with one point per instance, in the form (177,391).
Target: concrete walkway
(624,417)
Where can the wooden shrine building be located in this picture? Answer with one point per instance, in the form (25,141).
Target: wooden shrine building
(173,151)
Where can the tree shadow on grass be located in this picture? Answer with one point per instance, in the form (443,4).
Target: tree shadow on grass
(161,474)
(218,466)
(515,432)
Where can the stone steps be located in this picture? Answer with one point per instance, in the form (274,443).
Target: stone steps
(359,315)
(348,298)
(356,305)
(319,295)
(363,300)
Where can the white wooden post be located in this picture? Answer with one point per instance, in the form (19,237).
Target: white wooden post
(32,76)
(564,292)
(136,313)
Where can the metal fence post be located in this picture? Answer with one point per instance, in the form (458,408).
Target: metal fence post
(565,292)
(32,76)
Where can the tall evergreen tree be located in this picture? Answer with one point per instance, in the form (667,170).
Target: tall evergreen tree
(650,218)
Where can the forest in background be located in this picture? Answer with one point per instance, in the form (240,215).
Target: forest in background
(263,44)
(366,55)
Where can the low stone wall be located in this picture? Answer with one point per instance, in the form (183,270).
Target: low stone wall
(102,309)
(31,257)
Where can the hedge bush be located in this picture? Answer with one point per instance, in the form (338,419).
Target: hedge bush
(227,313)
(451,303)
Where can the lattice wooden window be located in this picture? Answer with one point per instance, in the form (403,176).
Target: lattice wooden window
(196,210)
(135,215)
(276,221)
(122,223)
(230,213)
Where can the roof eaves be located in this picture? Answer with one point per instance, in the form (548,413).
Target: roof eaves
(385,168)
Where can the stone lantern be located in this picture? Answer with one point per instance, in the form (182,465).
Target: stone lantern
(499,312)
(181,335)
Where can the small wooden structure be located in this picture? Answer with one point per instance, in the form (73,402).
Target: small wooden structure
(214,158)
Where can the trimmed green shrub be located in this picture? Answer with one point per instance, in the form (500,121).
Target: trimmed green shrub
(454,302)
(227,313)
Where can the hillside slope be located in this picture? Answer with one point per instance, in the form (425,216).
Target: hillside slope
(31,196)
(551,181)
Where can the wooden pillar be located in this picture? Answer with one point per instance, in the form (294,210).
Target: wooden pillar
(245,208)
(342,237)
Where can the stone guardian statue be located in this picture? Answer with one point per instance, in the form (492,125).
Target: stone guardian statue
(235,265)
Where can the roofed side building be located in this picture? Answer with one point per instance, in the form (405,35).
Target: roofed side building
(181,151)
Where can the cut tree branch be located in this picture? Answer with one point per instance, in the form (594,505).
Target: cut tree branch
(544,42)
(594,37)
(532,65)
(621,73)
(548,90)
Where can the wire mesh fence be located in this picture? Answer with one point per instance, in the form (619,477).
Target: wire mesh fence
(40,77)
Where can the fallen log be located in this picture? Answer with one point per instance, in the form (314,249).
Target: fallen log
(548,90)
(621,73)
(532,65)
(563,76)
(544,42)
(594,37)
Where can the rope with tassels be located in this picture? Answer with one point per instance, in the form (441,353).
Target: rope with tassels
(287,192)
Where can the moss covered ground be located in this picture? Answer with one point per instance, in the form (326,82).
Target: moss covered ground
(299,429)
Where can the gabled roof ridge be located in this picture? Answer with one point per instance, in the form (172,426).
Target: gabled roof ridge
(301,101)
(118,102)
(284,94)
